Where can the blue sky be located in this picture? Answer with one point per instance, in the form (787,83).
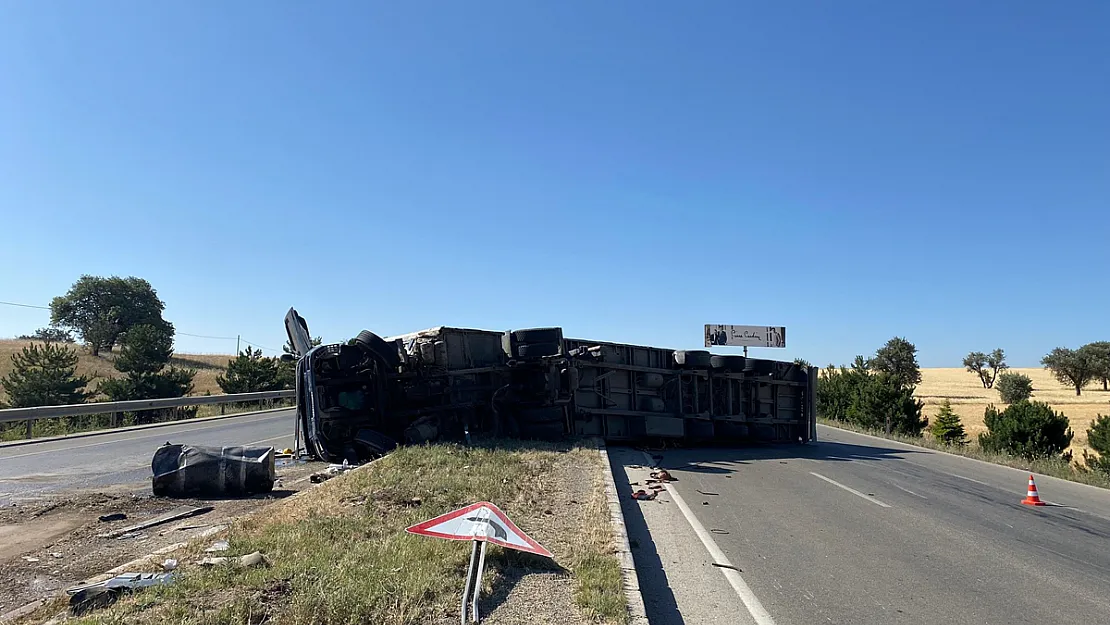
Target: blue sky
(628,170)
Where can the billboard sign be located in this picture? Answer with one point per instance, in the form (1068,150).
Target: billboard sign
(744,336)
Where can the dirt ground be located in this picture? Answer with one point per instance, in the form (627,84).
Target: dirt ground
(52,544)
(969,399)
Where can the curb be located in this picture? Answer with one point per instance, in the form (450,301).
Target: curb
(132,428)
(633,596)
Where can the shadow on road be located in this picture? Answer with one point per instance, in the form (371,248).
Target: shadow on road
(724,460)
(659,600)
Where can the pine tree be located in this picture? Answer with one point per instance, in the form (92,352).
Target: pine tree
(44,376)
(1098,437)
(947,427)
(250,373)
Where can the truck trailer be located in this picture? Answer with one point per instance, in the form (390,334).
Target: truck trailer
(358,400)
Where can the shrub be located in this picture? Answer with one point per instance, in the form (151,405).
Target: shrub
(1029,429)
(947,427)
(1098,437)
(1014,387)
(865,398)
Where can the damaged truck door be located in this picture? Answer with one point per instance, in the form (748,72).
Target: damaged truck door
(358,400)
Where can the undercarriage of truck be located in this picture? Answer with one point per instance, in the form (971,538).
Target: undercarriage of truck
(358,400)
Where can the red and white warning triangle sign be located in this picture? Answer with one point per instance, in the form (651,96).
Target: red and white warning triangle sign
(480,521)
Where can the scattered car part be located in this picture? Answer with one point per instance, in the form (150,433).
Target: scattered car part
(102,594)
(173,515)
(118,516)
(191,470)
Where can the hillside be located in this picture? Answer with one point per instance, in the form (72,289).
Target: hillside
(208,366)
(969,399)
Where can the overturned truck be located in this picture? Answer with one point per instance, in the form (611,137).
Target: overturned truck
(360,399)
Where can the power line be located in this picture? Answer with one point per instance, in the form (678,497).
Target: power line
(196,336)
(201,336)
(25,305)
(259,346)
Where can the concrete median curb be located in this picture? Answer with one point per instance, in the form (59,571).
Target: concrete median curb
(132,428)
(633,596)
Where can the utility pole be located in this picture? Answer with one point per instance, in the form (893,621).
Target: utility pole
(237,337)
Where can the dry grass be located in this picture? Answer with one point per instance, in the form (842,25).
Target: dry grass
(208,366)
(338,553)
(969,399)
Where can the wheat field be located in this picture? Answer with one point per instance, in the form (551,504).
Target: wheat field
(969,399)
(208,366)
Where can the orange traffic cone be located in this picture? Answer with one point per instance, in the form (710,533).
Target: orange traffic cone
(1031,497)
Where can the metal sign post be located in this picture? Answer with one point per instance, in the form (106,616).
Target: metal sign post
(473,588)
(479,523)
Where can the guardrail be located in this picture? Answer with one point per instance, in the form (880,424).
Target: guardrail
(30,415)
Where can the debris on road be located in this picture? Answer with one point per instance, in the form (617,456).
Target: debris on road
(190,470)
(251,559)
(118,516)
(643,495)
(83,599)
(332,471)
(727,566)
(662,476)
(173,515)
(708,494)
(219,545)
(30,559)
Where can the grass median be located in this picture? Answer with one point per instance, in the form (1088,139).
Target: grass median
(338,553)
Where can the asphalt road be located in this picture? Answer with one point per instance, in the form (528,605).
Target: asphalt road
(121,459)
(855,529)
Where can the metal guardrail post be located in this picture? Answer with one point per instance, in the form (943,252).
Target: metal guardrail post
(30,428)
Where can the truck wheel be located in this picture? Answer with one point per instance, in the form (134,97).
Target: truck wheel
(538,335)
(692,359)
(734,363)
(537,350)
(376,345)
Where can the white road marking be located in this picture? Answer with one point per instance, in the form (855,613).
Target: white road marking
(115,440)
(909,491)
(731,573)
(850,490)
(969,479)
(266,440)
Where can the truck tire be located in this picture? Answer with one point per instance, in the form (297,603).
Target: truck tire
(376,345)
(537,350)
(692,359)
(733,363)
(538,335)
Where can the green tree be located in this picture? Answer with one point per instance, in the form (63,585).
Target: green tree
(898,359)
(947,427)
(1100,354)
(49,335)
(1072,367)
(101,309)
(802,362)
(250,373)
(1014,387)
(144,355)
(868,399)
(1029,429)
(145,348)
(986,366)
(44,376)
(1098,437)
